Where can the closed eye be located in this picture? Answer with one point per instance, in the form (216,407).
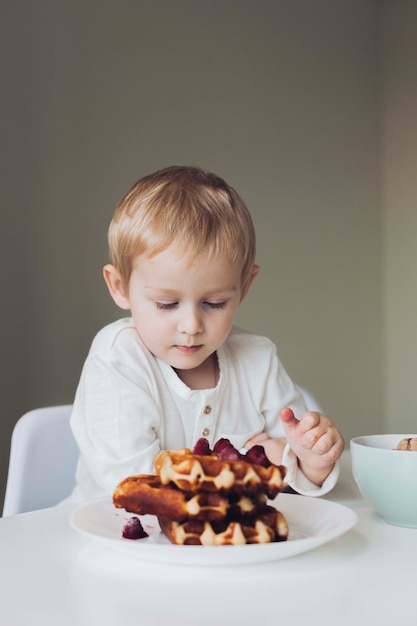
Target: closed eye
(216,305)
(166,306)
(169,306)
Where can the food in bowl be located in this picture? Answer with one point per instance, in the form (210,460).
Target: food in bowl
(209,497)
(386,476)
(409,443)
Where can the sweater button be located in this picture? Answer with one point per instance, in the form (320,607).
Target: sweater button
(207,410)
(206,432)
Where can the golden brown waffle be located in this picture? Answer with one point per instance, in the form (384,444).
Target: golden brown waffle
(192,473)
(209,499)
(144,494)
(267,527)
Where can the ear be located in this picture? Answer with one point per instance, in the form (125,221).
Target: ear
(115,286)
(255,272)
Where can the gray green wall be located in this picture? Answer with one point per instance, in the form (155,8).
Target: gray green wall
(286,99)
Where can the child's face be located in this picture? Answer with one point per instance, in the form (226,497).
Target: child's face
(183,309)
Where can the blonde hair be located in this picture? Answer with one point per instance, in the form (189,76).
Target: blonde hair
(195,209)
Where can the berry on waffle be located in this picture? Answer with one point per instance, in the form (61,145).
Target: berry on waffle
(192,472)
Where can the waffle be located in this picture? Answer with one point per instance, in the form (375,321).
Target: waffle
(216,498)
(269,526)
(193,473)
(144,494)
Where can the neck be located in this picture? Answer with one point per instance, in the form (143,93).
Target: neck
(205,376)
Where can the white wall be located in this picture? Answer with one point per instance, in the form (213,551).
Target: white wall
(399,28)
(281,97)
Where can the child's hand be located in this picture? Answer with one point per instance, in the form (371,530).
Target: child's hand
(274,448)
(316,442)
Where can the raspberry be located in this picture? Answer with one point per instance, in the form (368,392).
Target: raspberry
(202,447)
(257,455)
(226,450)
(220,444)
(133,529)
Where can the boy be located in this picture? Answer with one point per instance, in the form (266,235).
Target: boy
(182,248)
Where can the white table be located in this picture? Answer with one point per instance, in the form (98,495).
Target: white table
(51,575)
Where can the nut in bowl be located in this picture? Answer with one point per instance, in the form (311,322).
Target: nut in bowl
(386,476)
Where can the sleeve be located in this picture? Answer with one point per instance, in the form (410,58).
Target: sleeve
(300,483)
(116,424)
(280,392)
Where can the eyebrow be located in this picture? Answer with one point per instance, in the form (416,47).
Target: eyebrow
(168,291)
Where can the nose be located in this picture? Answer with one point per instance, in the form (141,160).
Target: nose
(190,322)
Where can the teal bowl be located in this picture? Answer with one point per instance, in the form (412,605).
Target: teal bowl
(386,478)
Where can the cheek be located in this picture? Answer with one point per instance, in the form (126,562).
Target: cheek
(156,325)
(151,326)
(146,320)
(222,326)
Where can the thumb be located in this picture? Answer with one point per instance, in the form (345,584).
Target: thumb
(288,419)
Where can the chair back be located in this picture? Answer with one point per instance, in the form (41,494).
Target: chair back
(43,459)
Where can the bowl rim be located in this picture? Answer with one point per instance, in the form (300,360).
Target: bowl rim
(361,441)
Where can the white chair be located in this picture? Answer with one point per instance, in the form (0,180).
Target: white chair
(43,458)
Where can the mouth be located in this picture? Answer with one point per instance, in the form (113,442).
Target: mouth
(188,349)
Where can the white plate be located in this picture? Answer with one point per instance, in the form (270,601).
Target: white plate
(312,522)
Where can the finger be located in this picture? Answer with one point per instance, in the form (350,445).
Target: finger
(309,420)
(288,419)
(256,440)
(319,440)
